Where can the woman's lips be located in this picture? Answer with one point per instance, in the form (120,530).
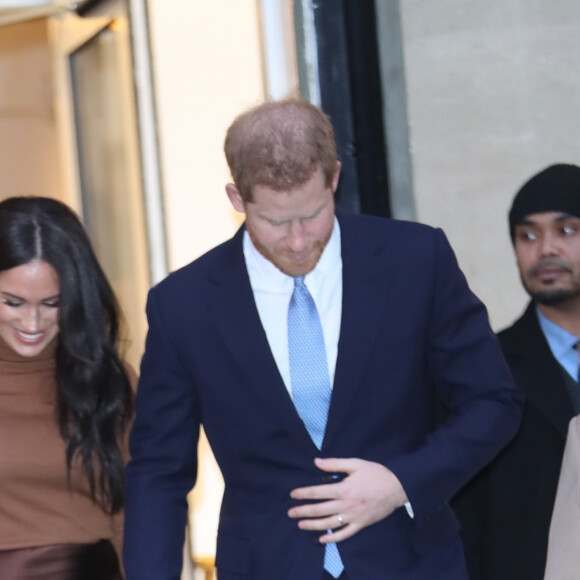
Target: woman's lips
(29,337)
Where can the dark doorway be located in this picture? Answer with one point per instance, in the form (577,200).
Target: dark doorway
(350,91)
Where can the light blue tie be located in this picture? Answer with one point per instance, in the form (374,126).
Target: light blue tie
(311,389)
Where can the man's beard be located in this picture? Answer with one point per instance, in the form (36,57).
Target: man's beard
(555,297)
(283,263)
(552,296)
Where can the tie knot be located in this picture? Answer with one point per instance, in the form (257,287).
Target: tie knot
(299,282)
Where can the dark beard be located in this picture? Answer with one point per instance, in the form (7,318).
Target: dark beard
(555,297)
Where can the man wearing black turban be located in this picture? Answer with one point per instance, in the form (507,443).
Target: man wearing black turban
(505,511)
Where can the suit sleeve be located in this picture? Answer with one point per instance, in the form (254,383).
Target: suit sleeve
(163,466)
(563,554)
(471,379)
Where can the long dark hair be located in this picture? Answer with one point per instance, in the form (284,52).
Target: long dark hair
(95,399)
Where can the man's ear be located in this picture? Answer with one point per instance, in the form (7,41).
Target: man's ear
(336,176)
(235,197)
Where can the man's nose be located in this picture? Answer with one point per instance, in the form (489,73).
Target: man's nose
(296,237)
(549,245)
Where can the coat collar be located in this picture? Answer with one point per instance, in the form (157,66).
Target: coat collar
(536,370)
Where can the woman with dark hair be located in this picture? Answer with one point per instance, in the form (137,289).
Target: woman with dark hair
(66,400)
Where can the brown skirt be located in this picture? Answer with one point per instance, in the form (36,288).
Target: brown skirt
(61,562)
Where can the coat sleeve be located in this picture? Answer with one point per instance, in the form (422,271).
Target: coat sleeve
(563,561)
(468,371)
(163,465)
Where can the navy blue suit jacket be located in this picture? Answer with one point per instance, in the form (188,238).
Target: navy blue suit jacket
(412,336)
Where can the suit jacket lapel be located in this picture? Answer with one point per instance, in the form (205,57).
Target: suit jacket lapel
(238,322)
(365,294)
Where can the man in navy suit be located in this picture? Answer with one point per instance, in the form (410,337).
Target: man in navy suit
(403,337)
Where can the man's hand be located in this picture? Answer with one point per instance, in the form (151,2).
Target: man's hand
(368,494)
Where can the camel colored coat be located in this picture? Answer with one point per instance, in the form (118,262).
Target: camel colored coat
(564,541)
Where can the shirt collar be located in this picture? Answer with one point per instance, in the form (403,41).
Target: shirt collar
(559,339)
